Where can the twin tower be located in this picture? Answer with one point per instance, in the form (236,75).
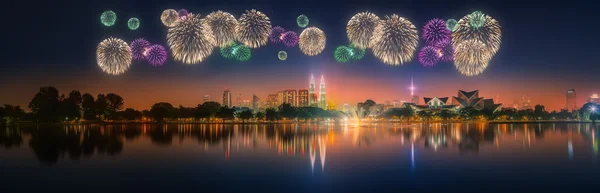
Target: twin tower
(321,100)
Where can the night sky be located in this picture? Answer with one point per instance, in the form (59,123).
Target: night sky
(546,49)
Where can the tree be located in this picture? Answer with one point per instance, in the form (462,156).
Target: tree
(70,107)
(305,115)
(467,112)
(540,112)
(207,109)
(45,104)
(114,103)
(161,110)
(101,106)
(287,111)
(225,113)
(131,114)
(271,114)
(10,113)
(445,114)
(87,105)
(260,115)
(245,115)
(407,112)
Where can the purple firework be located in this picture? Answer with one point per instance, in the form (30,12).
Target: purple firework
(445,49)
(435,30)
(157,55)
(428,56)
(276,34)
(183,13)
(290,39)
(138,47)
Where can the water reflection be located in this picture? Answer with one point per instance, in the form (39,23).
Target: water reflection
(51,144)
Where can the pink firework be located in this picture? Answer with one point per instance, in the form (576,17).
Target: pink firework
(435,31)
(276,34)
(138,48)
(445,50)
(156,55)
(290,39)
(183,13)
(428,56)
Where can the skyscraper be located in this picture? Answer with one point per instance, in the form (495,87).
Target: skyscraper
(238,99)
(227,98)
(413,98)
(322,96)
(287,96)
(302,98)
(571,100)
(272,101)
(311,90)
(255,101)
(206,98)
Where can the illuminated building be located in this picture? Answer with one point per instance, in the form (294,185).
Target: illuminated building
(472,100)
(415,99)
(245,103)
(238,99)
(313,97)
(255,101)
(396,104)
(322,96)
(571,100)
(227,98)
(311,91)
(525,103)
(331,105)
(594,99)
(434,104)
(272,101)
(206,98)
(303,99)
(280,98)
(287,96)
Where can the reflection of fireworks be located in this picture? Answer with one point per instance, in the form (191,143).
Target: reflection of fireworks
(489,33)
(290,39)
(357,53)
(435,31)
(253,29)
(428,56)
(156,55)
(395,40)
(169,17)
(342,54)
(223,25)
(446,50)
(282,55)
(133,23)
(183,14)
(138,46)
(312,41)
(471,57)
(113,56)
(108,18)
(191,40)
(276,35)
(451,24)
(302,20)
(360,28)
(227,50)
(241,53)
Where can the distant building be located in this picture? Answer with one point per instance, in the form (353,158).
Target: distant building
(255,102)
(387,102)
(311,91)
(288,96)
(434,104)
(594,99)
(571,100)
(322,96)
(396,104)
(246,103)
(272,101)
(472,99)
(303,99)
(313,97)
(331,105)
(206,98)
(238,99)
(415,99)
(227,98)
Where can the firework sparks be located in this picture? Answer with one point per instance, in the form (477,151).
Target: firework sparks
(428,56)
(282,55)
(253,29)
(133,23)
(312,41)
(489,33)
(360,29)
(471,57)
(276,35)
(302,20)
(191,40)
(395,40)
(227,50)
(357,53)
(445,50)
(169,17)
(156,55)
(342,54)
(113,56)
(183,14)
(138,47)
(223,25)
(108,18)
(241,53)
(289,39)
(435,31)
(451,24)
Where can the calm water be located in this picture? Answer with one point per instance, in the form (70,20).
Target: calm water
(301,158)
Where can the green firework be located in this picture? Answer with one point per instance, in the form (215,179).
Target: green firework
(451,24)
(242,53)
(356,53)
(133,23)
(477,19)
(342,54)
(302,20)
(227,50)
(282,55)
(108,18)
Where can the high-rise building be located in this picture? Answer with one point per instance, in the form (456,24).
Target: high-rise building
(227,98)
(255,101)
(280,98)
(287,96)
(594,99)
(272,101)
(206,98)
(415,99)
(245,103)
(322,96)
(396,103)
(571,100)
(313,97)
(238,99)
(311,91)
(303,98)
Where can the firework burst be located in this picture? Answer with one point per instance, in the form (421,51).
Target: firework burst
(489,33)
(357,53)
(342,54)
(289,39)
(183,14)
(156,55)
(451,24)
(435,31)
(133,23)
(253,29)
(395,40)
(276,35)
(169,17)
(312,41)
(223,25)
(108,18)
(471,57)
(138,47)
(282,55)
(227,50)
(191,40)
(113,56)
(428,56)
(360,29)
(445,50)
(242,53)
(302,20)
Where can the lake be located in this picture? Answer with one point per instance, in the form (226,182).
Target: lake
(309,157)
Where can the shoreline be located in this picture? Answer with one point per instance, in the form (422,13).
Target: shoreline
(300,122)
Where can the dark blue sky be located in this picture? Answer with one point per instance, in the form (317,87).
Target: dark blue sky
(545,44)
